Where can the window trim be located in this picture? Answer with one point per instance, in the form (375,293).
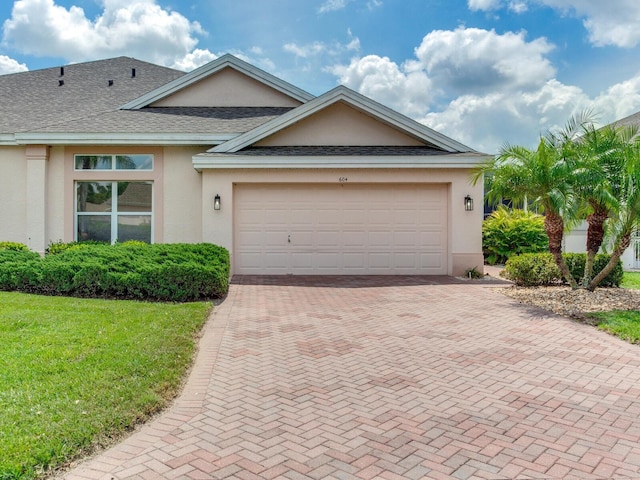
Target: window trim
(114,213)
(67,211)
(113,162)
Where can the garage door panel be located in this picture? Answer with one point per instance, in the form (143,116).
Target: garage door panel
(340,229)
(354,239)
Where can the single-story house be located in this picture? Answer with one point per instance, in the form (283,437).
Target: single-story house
(290,183)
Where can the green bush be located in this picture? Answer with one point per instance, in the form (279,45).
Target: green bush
(532,269)
(14,246)
(163,272)
(19,269)
(576,262)
(511,232)
(537,269)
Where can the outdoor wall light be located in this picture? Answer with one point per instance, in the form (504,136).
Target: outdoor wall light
(216,202)
(468,203)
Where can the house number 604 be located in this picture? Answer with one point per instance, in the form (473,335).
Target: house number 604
(343,179)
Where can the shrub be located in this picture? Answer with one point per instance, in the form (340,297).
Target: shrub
(532,269)
(164,272)
(60,246)
(19,269)
(14,246)
(536,269)
(576,262)
(511,232)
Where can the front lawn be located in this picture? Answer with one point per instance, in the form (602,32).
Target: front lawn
(631,280)
(623,324)
(76,373)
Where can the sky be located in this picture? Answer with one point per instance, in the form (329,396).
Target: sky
(484,72)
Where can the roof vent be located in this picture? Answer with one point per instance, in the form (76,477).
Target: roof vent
(60,83)
(133,73)
(110,83)
(62,71)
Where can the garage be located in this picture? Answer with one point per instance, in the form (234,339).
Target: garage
(340,229)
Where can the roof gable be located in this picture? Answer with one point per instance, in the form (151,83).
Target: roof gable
(201,85)
(339,124)
(268,133)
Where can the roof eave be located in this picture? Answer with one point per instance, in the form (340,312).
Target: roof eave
(120,138)
(222,162)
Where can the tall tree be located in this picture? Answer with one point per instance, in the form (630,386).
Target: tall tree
(598,157)
(541,176)
(625,216)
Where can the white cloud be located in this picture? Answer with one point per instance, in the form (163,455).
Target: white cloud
(405,89)
(9,65)
(139,28)
(516,98)
(484,4)
(332,5)
(471,60)
(611,22)
(194,59)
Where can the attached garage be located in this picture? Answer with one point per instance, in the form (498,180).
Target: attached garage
(343,228)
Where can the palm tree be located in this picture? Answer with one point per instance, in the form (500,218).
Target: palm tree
(598,156)
(542,176)
(625,215)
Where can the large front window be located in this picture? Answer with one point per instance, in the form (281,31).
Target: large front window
(114,211)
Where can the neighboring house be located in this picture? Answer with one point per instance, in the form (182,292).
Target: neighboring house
(290,183)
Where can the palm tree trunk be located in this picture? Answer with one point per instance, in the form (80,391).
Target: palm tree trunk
(554,226)
(595,237)
(625,241)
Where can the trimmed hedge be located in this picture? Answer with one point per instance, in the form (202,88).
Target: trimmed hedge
(538,269)
(133,270)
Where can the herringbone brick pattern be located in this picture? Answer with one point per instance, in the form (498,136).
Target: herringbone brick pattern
(377,378)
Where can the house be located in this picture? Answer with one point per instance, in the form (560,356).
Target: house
(290,183)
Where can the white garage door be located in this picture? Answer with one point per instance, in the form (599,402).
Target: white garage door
(349,229)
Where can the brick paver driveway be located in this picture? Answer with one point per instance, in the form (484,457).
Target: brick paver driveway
(391,378)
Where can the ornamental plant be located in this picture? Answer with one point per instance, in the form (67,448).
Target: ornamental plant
(509,232)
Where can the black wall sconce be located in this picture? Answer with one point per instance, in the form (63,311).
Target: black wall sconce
(468,203)
(216,202)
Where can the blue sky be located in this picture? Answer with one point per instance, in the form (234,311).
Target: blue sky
(484,72)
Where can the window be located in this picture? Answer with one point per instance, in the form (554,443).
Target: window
(113,211)
(114,162)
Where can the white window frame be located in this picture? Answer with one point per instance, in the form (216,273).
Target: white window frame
(114,162)
(113,214)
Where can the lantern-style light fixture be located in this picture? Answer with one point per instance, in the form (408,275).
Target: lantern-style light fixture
(216,202)
(468,203)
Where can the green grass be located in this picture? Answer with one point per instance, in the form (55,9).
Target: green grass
(631,280)
(623,324)
(75,373)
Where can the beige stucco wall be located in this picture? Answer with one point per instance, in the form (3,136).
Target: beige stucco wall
(339,124)
(13,184)
(56,206)
(227,88)
(464,236)
(182,200)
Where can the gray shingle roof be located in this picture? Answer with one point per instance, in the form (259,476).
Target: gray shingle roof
(85,102)
(223,120)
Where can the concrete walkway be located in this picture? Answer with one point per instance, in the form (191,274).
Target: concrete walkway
(403,377)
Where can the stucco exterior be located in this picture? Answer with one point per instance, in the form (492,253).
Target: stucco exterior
(208,133)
